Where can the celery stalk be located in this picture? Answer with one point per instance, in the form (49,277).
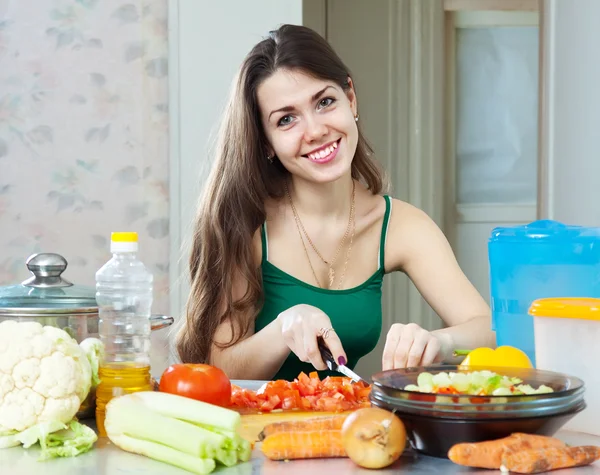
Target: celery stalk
(242,447)
(162,453)
(190,410)
(134,420)
(185,430)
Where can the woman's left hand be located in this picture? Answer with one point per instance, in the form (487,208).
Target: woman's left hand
(410,346)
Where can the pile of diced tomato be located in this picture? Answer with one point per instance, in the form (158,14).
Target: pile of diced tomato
(306,392)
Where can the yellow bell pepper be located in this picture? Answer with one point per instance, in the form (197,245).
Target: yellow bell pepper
(506,356)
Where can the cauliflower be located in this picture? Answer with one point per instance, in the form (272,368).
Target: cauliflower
(94,350)
(44,377)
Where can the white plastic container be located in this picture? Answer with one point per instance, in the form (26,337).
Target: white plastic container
(567,340)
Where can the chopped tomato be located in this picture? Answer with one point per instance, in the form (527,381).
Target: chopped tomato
(307,392)
(449,390)
(479,400)
(422,397)
(270,404)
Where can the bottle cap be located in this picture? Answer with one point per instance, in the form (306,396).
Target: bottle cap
(124,242)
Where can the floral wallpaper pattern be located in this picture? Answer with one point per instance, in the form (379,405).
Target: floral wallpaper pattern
(84,134)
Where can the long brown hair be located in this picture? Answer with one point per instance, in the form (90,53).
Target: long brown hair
(242,178)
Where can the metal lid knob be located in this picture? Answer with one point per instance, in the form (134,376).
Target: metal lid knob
(46,269)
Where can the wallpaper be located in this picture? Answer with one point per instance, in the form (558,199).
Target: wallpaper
(84,135)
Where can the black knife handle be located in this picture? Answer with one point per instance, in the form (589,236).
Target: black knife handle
(326,354)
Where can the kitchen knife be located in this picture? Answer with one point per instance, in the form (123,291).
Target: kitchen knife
(332,364)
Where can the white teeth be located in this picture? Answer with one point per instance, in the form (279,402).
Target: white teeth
(323,153)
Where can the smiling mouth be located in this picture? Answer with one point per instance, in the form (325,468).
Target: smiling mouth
(324,152)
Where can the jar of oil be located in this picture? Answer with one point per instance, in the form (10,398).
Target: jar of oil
(116,380)
(124,297)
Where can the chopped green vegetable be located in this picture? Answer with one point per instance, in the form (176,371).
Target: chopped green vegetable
(183,432)
(479,383)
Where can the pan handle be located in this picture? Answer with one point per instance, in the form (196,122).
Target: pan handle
(158,322)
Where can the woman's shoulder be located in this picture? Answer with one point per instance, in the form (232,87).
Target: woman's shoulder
(399,211)
(409,229)
(405,213)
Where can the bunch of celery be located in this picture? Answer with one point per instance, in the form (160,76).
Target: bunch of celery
(183,432)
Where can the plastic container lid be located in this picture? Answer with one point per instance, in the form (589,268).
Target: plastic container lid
(124,242)
(566,307)
(546,230)
(46,292)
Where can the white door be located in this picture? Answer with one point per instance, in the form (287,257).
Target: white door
(492,136)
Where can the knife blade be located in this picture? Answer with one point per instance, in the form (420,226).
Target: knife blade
(333,366)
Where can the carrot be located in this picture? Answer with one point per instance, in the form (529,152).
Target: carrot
(532,441)
(554,458)
(312,424)
(489,454)
(303,445)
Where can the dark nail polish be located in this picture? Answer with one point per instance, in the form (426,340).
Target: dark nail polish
(342,361)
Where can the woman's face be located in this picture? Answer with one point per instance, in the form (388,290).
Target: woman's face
(309,124)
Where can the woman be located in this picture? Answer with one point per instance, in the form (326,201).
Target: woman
(293,237)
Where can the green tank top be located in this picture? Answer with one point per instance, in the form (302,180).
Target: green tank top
(355,313)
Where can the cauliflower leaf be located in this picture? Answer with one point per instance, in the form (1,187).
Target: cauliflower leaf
(55,439)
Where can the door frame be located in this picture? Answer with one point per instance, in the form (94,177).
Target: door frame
(473,14)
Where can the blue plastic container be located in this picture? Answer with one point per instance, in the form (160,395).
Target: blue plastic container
(539,260)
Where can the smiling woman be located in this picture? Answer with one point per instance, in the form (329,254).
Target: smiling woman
(293,236)
(318,127)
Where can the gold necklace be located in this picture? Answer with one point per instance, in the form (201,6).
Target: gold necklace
(349,249)
(301,230)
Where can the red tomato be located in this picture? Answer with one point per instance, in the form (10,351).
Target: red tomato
(197,381)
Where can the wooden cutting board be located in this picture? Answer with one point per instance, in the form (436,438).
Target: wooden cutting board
(253,424)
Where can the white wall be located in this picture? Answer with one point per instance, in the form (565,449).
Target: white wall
(208,41)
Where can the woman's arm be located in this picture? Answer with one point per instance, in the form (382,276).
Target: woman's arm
(257,355)
(417,246)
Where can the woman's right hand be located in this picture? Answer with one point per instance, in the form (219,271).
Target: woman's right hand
(301,325)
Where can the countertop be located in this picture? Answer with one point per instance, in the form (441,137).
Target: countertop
(107,459)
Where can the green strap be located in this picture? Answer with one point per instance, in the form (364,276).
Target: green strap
(265,244)
(384,226)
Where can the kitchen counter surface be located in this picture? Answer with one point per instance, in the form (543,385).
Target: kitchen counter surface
(107,459)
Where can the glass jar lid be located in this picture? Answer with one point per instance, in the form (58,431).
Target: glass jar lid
(46,291)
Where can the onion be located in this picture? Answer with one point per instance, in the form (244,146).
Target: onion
(373,437)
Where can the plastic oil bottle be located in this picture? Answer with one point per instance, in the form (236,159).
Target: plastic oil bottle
(124,297)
